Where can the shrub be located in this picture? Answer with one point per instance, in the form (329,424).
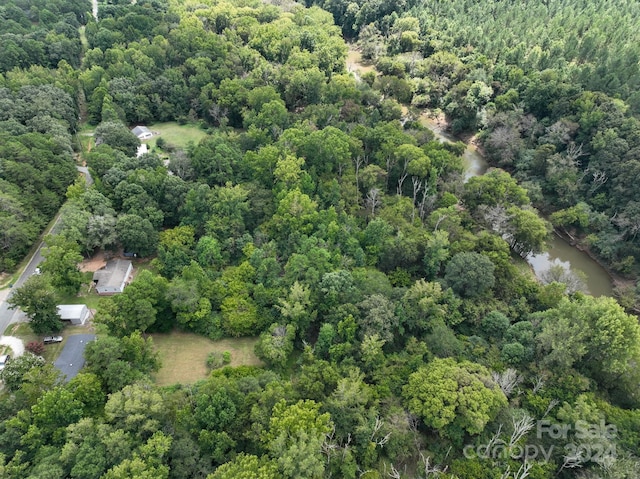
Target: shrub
(215,360)
(226,357)
(35,347)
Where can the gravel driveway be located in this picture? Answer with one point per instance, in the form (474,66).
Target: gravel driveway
(14,343)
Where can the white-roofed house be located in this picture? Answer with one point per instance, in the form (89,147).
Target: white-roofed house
(142,132)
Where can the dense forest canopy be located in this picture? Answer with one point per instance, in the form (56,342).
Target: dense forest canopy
(40,32)
(552,86)
(401,334)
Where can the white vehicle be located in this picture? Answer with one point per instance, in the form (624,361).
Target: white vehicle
(37,271)
(4,359)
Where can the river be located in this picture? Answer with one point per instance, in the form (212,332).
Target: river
(596,279)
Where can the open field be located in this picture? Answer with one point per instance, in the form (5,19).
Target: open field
(184,356)
(175,134)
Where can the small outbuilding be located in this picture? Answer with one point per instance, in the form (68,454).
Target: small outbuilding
(112,278)
(142,149)
(142,132)
(76,313)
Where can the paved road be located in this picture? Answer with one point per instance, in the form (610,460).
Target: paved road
(8,316)
(95,9)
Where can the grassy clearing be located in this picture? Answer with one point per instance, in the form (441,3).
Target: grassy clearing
(355,62)
(184,356)
(85,296)
(177,135)
(51,351)
(83,38)
(85,137)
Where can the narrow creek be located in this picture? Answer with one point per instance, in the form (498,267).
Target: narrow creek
(596,280)
(475,163)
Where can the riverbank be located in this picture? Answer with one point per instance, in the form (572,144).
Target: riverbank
(618,281)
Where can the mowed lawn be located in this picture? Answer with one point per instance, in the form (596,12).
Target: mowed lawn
(175,134)
(184,356)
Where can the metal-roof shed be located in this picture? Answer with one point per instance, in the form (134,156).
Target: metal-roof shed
(76,313)
(142,132)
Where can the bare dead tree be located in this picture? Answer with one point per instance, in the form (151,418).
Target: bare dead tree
(521,473)
(417,186)
(572,461)
(373,201)
(358,161)
(553,403)
(427,201)
(390,162)
(495,439)
(403,176)
(440,220)
(393,473)
(574,281)
(376,427)
(430,470)
(218,114)
(538,383)
(574,152)
(329,447)
(598,179)
(508,380)
(521,428)
(558,133)
(495,217)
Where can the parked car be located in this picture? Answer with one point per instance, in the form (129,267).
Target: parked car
(52,339)
(37,271)
(4,359)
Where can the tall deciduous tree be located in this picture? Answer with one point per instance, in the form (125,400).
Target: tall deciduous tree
(137,307)
(454,397)
(276,344)
(470,274)
(137,234)
(593,335)
(295,437)
(118,362)
(117,136)
(61,263)
(38,300)
(246,467)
